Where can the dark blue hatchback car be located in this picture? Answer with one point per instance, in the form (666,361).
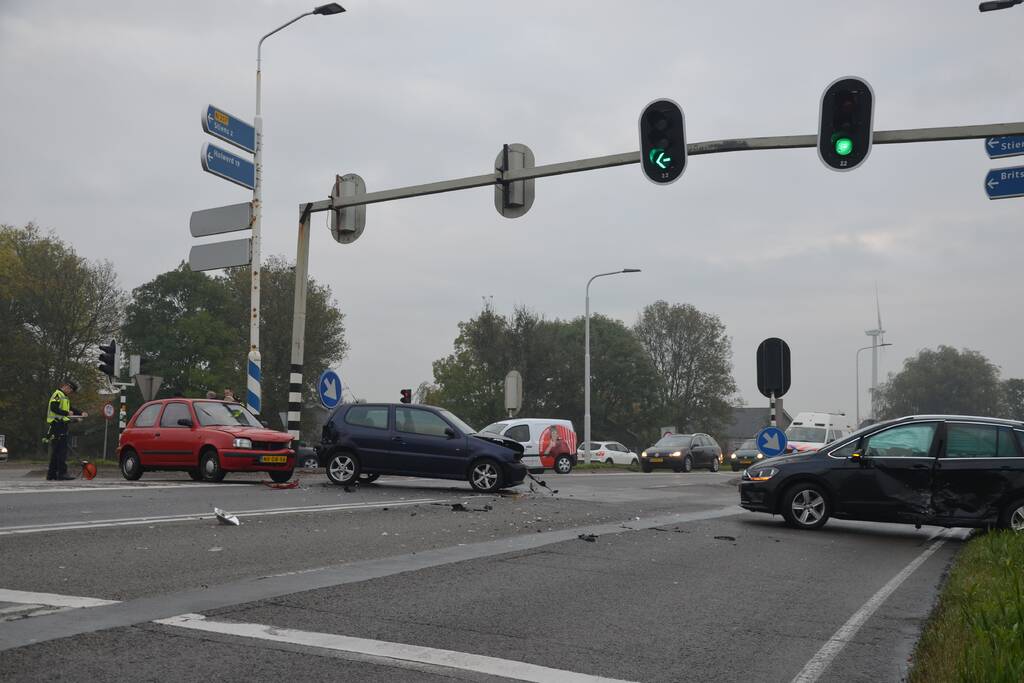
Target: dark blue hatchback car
(362,441)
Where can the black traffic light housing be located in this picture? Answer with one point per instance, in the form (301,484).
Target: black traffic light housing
(406,395)
(663,141)
(845,124)
(108,359)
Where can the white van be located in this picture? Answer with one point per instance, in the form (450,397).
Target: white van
(811,431)
(547,443)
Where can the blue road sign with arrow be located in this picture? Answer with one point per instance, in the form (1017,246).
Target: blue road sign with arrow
(329,388)
(1003,183)
(1004,146)
(772,441)
(229,128)
(228,166)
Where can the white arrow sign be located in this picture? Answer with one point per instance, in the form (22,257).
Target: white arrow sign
(331,390)
(771,442)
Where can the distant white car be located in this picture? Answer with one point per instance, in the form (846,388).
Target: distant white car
(611,452)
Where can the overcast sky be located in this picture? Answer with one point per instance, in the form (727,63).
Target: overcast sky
(100,141)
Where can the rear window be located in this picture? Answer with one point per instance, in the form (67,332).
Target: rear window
(147,418)
(368,416)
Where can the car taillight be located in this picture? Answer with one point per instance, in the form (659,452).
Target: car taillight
(600,454)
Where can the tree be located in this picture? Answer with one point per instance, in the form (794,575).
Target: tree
(943,381)
(692,357)
(56,307)
(1013,399)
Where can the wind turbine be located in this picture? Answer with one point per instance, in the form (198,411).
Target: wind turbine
(877,338)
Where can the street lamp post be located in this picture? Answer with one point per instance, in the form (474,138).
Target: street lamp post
(858,376)
(253,397)
(586,362)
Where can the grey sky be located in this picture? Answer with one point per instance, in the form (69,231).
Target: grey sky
(100,137)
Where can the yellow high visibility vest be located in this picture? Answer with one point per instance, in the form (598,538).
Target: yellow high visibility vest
(65,405)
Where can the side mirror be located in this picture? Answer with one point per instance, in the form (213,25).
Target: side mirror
(449,432)
(184,422)
(855,456)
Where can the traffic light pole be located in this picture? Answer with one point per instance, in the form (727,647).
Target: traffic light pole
(882,137)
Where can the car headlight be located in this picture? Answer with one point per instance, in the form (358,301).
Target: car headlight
(677,454)
(243,443)
(760,456)
(3,450)
(732,457)
(643,454)
(761,474)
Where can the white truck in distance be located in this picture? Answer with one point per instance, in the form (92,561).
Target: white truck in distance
(811,431)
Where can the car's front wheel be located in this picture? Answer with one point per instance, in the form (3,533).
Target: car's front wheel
(687,464)
(343,468)
(131,466)
(715,465)
(485,476)
(281,477)
(1013,516)
(805,506)
(209,466)
(563,464)
(647,468)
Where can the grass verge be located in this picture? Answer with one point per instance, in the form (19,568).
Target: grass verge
(976,632)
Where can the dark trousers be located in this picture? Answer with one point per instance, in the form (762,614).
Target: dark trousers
(59,452)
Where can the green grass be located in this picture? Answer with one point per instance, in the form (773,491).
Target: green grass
(977,631)
(601,467)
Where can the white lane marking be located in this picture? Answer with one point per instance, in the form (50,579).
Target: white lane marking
(820,661)
(50,599)
(137,521)
(451,659)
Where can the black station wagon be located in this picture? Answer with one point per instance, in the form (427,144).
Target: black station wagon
(947,470)
(362,441)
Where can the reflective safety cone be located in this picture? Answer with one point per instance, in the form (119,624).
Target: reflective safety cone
(226,517)
(88,470)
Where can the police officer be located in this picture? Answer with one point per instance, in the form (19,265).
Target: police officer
(59,412)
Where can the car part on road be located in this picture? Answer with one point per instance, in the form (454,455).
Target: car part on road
(805,506)
(485,476)
(343,468)
(209,466)
(226,517)
(589,538)
(368,478)
(283,485)
(131,467)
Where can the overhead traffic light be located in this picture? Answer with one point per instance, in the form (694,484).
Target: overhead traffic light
(663,141)
(109,359)
(406,395)
(845,123)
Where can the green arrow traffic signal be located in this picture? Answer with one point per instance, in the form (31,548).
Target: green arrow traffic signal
(658,157)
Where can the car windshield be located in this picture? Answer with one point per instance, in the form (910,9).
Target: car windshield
(465,428)
(674,441)
(213,414)
(493,428)
(748,445)
(808,434)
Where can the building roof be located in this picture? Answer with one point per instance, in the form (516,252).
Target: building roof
(746,422)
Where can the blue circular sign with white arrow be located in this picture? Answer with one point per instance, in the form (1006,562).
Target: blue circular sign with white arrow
(772,441)
(329,389)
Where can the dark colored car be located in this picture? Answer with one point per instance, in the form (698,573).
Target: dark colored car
(745,456)
(363,441)
(682,452)
(946,470)
(206,438)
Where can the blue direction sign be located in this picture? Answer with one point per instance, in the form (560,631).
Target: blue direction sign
(1004,146)
(1003,183)
(329,388)
(229,128)
(772,441)
(228,166)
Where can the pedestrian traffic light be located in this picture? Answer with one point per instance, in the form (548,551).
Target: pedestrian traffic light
(108,359)
(406,395)
(663,141)
(845,124)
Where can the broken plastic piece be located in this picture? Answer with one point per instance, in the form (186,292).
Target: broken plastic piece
(282,485)
(226,517)
(589,538)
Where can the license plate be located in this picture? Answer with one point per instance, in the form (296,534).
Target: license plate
(274,459)
(657,460)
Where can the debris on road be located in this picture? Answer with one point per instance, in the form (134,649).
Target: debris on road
(226,517)
(589,538)
(294,483)
(542,483)
(460,507)
(725,538)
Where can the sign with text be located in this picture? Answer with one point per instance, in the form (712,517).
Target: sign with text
(1004,146)
(229,128)
(1004,183)
(228,166)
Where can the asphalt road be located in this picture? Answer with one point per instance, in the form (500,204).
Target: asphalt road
(670,582)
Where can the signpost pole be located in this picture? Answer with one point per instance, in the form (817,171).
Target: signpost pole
(253,396)
(106,426)
(299,326)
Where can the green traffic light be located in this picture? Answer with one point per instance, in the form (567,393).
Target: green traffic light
(658,157)
(844,146)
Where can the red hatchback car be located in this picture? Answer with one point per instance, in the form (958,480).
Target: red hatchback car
(205,438)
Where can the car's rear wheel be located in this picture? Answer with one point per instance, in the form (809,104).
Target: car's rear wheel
(131,465)
(281,477)
(715,465)
(805,506)
(1013,516)
(343,468)
(687,464)
(563,464)
(209,466)
(310,463)
(368,478)
(485,476)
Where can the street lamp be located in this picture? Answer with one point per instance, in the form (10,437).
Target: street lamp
(586,362)
(858,376)
(998,4)
(254,393)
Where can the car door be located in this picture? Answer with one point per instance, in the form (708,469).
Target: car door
(176,444)
(142,434)
(888,476)
(367,427)
(980,465)
(429,445)
(698,451)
